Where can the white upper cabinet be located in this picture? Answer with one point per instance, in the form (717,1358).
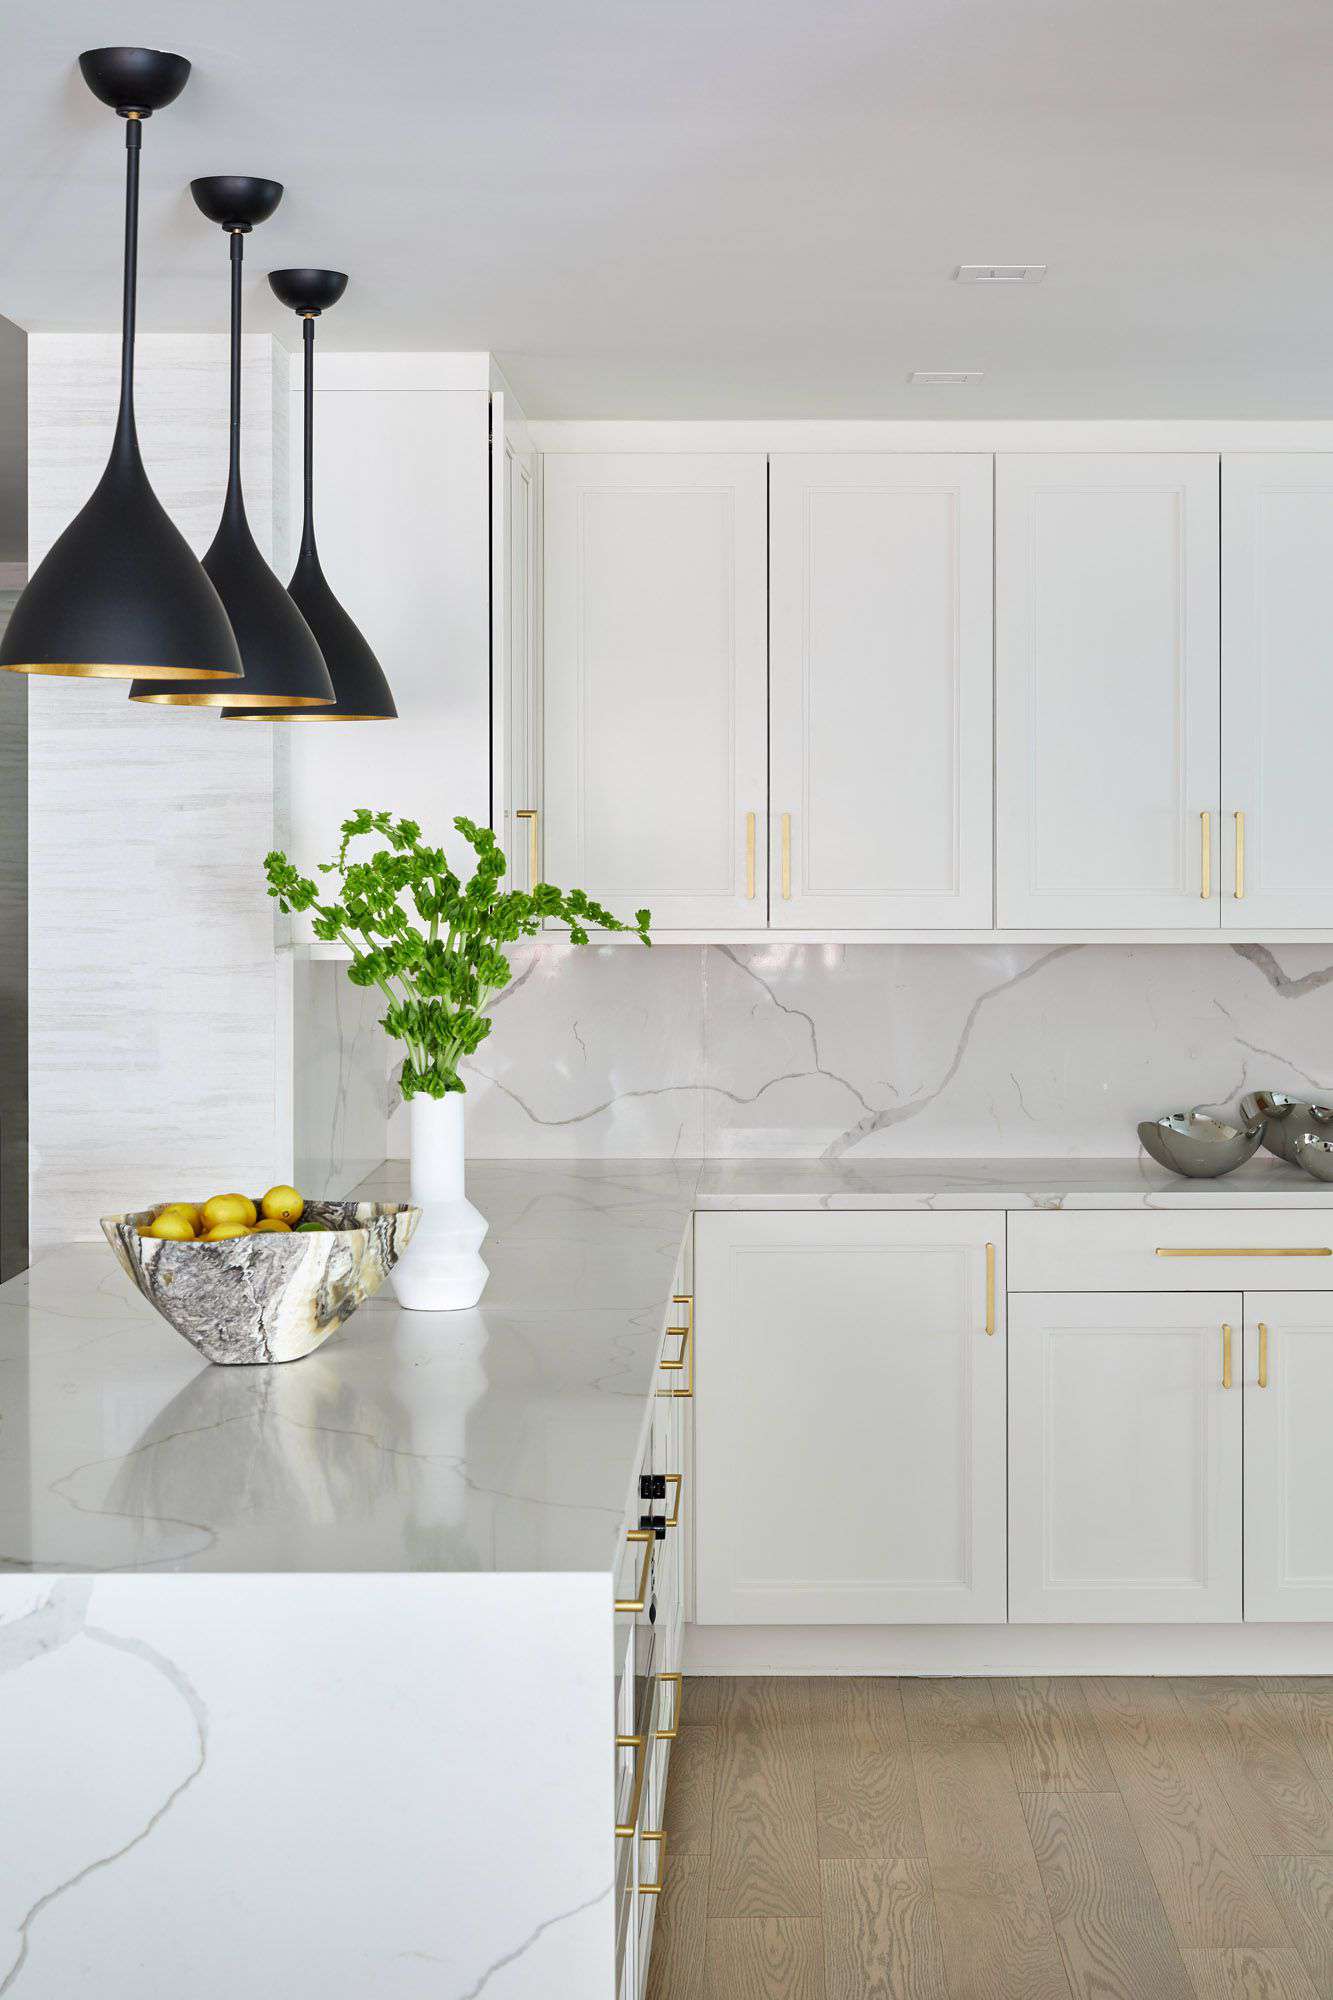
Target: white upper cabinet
(1288,1471)
(514,694)
(655,617)
(881,711)
(1277,689)
(1107,690)
(1125,1457)
(849,1419)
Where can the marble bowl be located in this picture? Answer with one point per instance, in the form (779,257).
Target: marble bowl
(1286,1120)
(1199,1147)
(264,1298)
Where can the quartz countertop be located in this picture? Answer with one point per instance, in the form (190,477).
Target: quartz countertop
(501,1439)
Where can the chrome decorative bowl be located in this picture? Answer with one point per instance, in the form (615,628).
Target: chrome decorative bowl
(1285,1120)
(1201,1148)
(272,1297)
(1314,1152)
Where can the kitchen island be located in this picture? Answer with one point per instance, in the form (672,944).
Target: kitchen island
(340,1677)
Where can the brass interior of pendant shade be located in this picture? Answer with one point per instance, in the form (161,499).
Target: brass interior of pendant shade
(101,670)
(227,697)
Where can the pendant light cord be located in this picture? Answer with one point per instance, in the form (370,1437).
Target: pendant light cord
(133,142)
(308,524)
(234,459)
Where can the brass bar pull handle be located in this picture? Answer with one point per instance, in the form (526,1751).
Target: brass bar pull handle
(990,1288)
(1263,1355)
(677,1481)
(786,857)
(639,1745)
(749,856)
(1226,1356)
(636,1604)
(667,1680)
(1273,1250)
(529,813)
(1205,855)
(656,1888)
(1240,857)
(684,1361)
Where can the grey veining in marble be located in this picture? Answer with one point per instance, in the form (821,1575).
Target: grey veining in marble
(501,1439)
(863,1052)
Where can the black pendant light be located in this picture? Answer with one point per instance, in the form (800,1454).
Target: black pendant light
(361,693)
(283,665)
(121,594)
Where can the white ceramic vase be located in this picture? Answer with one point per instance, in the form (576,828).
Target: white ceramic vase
(441,1269)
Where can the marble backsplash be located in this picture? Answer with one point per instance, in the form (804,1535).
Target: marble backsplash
(831,1051)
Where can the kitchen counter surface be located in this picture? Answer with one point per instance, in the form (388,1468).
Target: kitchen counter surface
(504,1439)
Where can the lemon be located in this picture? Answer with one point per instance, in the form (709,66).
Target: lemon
(229,1208)
(282,1204)
(171,1227)
(223,1230)
(272,1225)
(189,1209)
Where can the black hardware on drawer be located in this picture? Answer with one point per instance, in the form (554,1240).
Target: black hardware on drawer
(652,1486)
(657,1522)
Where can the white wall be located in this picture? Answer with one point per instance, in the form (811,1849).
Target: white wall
(153,984)
(402,525)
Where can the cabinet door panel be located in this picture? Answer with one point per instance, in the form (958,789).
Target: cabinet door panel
(1107,689)
(1288,1467)
(1125,1458)
(881,720)
(655,620)
(849,1419)
(1277,692)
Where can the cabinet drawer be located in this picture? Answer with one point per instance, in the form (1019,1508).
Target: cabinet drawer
(1240,1249)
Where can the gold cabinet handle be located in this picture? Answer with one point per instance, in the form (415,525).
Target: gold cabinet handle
(639,1745)
(656,1888)
(670,1735)
(786,857)
(529,813)
(1240,857)
(749,855)
(1205,855)
(1263,1355)
(1230,1250)
(677,1480)
(684,1361)
(1226,1356)
(990,1288)
(647,1537)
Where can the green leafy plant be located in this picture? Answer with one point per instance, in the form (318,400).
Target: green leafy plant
(438,974)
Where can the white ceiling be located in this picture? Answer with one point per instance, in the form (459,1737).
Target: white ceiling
(726,207)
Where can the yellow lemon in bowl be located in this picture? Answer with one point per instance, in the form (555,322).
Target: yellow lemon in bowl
(170,1227)
(189,1209)
(272,1225)
(282,1204)
(227,1208)
(223,1231)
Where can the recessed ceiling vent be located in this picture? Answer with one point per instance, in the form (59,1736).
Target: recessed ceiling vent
(944,378)
(1000,274)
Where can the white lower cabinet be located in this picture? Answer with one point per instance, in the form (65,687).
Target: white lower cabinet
(1288,1463)
(1125,1457)
(850,1418)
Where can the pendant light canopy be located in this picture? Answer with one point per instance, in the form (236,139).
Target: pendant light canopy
(283,666)
(121,594)
(361,693)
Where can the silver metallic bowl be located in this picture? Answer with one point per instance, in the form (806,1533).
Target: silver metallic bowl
(1314,1152)
(1199,1147)
(1285,1119)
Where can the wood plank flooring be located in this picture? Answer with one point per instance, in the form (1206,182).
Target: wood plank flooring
(877,1839)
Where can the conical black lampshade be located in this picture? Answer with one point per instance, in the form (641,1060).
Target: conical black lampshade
(361,692)
(283,664)
(121,594)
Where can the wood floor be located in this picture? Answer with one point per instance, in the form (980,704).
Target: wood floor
(999,1840)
